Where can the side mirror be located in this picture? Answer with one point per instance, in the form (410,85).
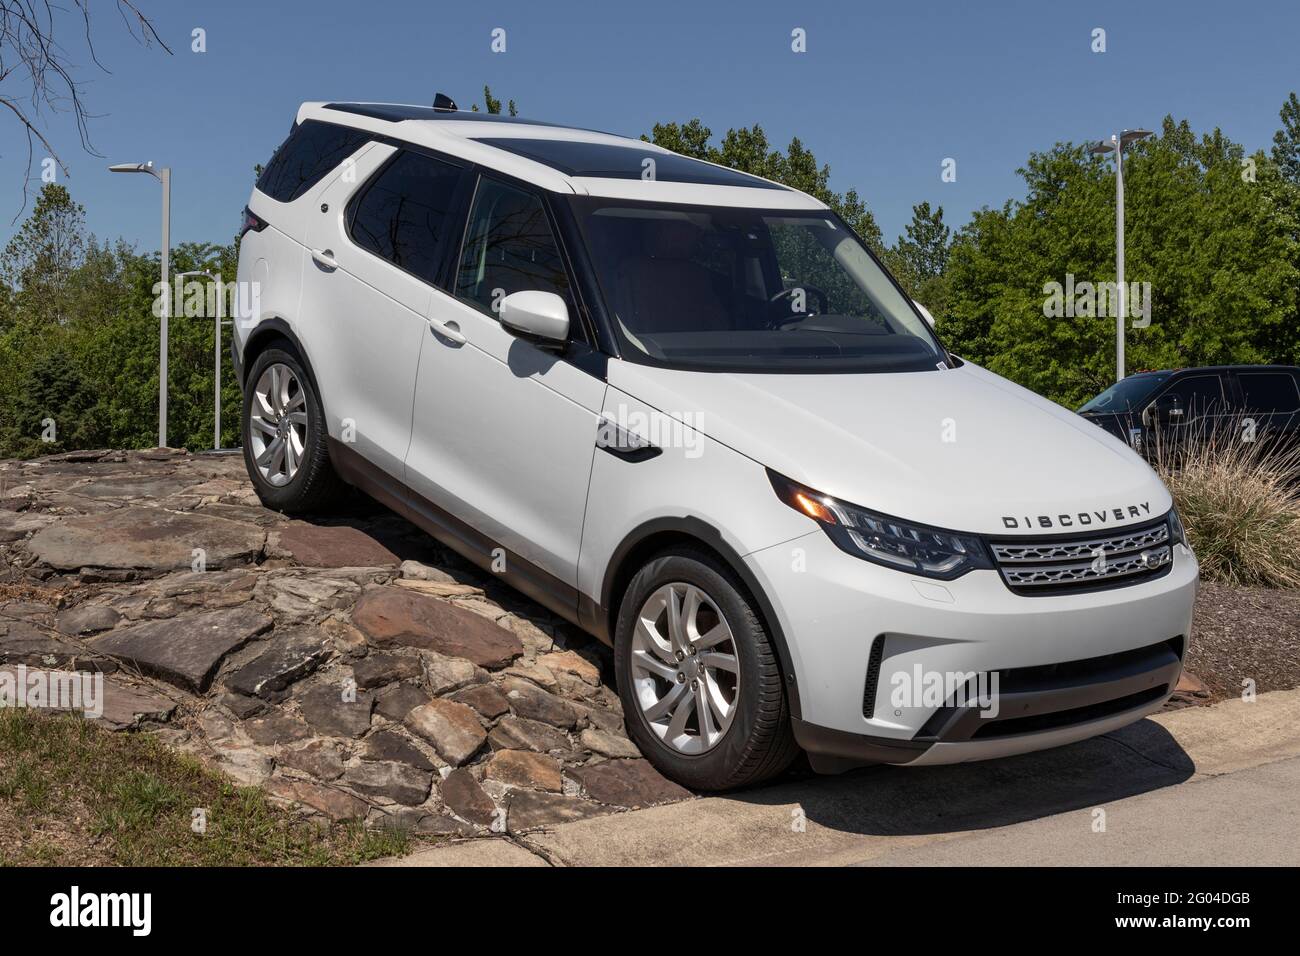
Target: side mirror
(1168,410)
(540,316)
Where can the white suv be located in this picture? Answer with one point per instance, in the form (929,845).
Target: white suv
(687,410)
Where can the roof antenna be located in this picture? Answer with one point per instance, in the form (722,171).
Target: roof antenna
(444,103)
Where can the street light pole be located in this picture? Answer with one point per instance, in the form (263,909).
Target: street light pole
(166,179)
(164,176)
(216,354)
(1117,144)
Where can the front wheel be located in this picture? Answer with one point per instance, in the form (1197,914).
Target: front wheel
(285,447)
(698,675)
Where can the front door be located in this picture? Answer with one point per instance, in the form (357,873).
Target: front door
(504,431)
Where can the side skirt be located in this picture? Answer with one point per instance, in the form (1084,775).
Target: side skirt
(522,575)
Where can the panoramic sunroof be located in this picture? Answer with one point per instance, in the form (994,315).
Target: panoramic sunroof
(395,113)
(606,161)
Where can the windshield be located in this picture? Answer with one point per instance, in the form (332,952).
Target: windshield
(723,288)
(1125,395)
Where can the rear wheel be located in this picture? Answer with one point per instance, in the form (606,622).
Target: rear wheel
(698,675)
(285,447)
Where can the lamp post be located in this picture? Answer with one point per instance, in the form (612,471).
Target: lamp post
(1117,144)
(216,352)
(163,176)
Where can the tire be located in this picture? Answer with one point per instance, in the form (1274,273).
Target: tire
(757,742)
(312,484)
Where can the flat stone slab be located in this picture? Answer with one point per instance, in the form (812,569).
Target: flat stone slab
(334,546)
(185,651)
(132,486)
(24,643)
(628,783)
(114,705)
(520,733)
(453,729)
(145,538)
(396,781)
(523,768)
(532,809)
(386,745)
(466,798)
(325,709)
(396,616)
(88,619)
(290,656)
(334,803)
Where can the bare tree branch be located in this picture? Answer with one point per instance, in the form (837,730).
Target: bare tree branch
(38,74)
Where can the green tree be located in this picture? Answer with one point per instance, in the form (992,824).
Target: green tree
(492,105)
(747,149)
(922,251)
(1217,250)
(1286,141)
(40,262)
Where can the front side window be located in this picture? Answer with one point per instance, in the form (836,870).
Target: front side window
(311,151)
(402,215)
(1200,394)
(722,288)
(509,247)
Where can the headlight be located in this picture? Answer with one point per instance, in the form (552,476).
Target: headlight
(903,545)
(1177,533)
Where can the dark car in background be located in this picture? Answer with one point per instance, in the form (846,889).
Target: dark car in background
(1173,405)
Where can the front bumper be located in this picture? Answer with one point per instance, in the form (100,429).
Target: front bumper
(877,655)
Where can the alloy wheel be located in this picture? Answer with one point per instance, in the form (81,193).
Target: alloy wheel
(278,424)
(685,668)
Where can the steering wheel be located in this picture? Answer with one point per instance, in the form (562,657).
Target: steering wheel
(823,306)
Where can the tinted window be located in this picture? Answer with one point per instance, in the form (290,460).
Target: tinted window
(1127,394)
(1269,391)
(311,151)
(402,215)
(609,161)
(509,247)
(737,289)
(1201,395)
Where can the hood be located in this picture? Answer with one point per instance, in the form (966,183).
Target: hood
(959,448)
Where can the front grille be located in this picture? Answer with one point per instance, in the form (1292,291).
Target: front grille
(1067,564)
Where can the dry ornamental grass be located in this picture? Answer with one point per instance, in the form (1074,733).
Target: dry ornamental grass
(1240,503)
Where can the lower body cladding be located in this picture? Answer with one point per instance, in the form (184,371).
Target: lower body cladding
(900,669)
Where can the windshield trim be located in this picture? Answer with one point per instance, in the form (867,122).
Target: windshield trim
(577,206)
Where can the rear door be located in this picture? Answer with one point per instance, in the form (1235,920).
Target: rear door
(375,244)
(1270,401)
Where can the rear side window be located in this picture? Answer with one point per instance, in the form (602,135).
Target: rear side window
(1269,391)
(311,151)
(1201,395)
(509,247)
(402,215)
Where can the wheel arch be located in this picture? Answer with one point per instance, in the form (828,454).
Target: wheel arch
(262,337)
(664,534)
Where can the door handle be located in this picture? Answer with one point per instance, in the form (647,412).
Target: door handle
(448,330)
(324,257)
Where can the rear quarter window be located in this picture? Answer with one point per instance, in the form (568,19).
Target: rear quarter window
(312,150)
(1269,391)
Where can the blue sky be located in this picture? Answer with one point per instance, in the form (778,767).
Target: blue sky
(884,93)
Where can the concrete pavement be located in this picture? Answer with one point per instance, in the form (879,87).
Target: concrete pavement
(1205,785)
